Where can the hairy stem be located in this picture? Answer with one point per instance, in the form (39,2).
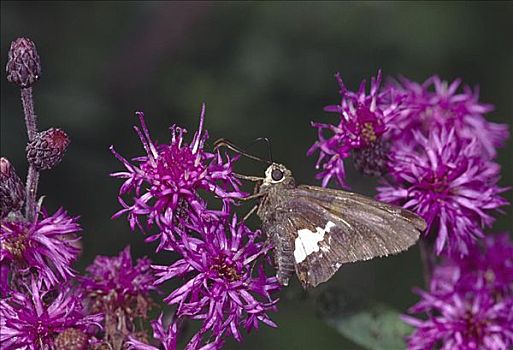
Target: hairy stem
(33,174)
(426,255)
(28,109)
(31,190)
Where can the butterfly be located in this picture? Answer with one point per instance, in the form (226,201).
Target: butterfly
(315,230)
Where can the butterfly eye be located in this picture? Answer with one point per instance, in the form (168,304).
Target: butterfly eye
(277,174)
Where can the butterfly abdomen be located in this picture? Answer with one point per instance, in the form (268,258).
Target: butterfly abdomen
(283,253)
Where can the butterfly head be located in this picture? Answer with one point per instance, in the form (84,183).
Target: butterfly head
(278,174)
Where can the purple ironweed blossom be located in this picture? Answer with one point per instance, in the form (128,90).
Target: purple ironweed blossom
(33,321)
(438,104)
(118,278)
(470,302)
(461,321)
(48,245)
(167,338)
(165,181)
(446,181)
(363,119)
(120,289)
(226,286)
(487,266)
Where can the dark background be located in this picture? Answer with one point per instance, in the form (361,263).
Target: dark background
(264,69)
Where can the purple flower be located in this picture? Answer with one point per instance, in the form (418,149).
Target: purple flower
(438,104)
(167,337)
(165,181)
(118,279)
(462,322)
(31,322)
(48,245)
(470,302)
(364,118)
(224,284)
(446,181)
(488,266)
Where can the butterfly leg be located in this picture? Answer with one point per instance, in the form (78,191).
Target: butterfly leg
(251,197)
(249,213)
(248,177)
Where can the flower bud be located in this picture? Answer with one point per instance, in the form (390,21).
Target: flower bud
(12,193)
(47,148)
(71,339)
(23,66)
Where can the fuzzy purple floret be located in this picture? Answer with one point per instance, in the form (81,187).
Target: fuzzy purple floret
(470,302)
(437,104)
(445,180)
(32,322)
(462,322)
(163,184)
(488,265)
(395,113)
(224,285)
(48,245)
(120,275)
(363,119)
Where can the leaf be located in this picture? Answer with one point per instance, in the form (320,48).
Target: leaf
(377,328)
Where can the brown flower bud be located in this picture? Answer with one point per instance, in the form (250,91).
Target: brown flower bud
(23,66)
(47,148)
(71,339)
(12,192)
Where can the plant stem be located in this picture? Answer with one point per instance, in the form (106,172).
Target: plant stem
(31,190)
(33,174)
(28,109)
(426,255)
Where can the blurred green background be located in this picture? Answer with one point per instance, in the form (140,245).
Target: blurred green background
(263,69)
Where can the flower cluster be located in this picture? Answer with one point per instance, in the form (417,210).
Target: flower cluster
(470,302)
(446,181)
(225,286)
(434,148)
(164,183)
(118,278)
(49,245)
(437,104)
(34,319)
(119,289)
(363,120)
(221,262)
(41,308)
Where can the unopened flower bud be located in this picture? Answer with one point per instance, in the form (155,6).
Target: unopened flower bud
(47,148)
(12,194)
(23,66)
(71,339)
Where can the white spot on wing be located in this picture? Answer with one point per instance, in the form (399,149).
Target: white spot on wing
(329,226)
(307,242)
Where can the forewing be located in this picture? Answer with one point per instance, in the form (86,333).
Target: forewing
(334,227)
(353,202)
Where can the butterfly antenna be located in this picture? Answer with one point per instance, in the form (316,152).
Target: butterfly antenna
(268,142)
(228,144)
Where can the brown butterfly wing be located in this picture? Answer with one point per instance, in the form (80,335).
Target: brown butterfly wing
(353,228)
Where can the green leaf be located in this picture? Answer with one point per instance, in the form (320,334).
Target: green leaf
(377,328)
